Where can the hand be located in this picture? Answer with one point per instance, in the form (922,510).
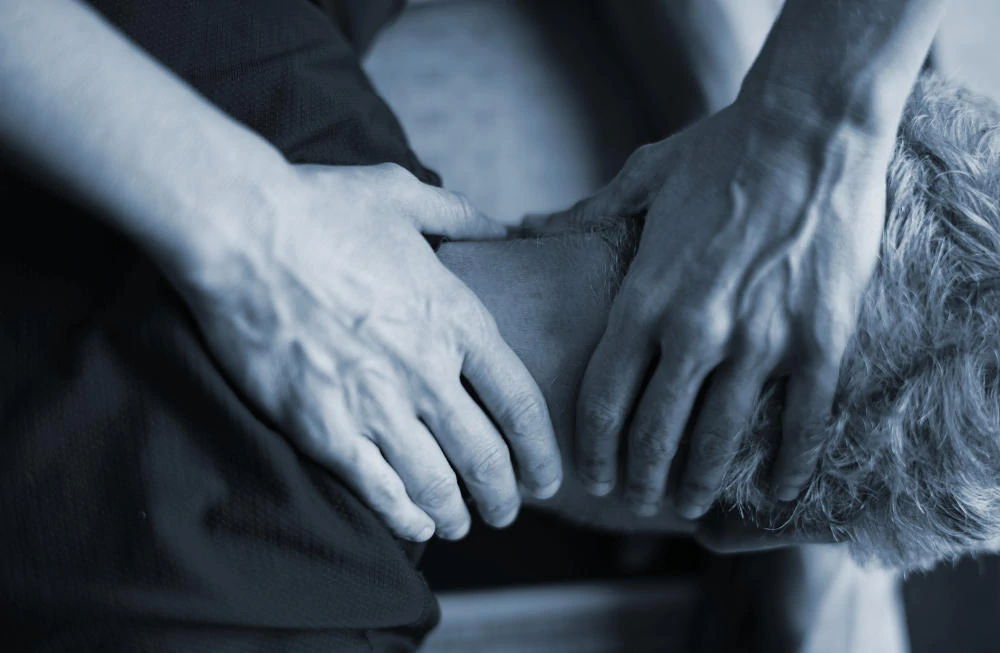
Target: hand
(762,230)
(334,317)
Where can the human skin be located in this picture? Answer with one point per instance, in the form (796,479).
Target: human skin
(551,301)
(779,200)
(552,296)
(313,286)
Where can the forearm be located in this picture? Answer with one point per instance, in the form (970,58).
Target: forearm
(90,111)
(845,61)
(710,43)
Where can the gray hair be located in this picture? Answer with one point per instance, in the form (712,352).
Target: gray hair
(910,471)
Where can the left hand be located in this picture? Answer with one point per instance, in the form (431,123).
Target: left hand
(762,230)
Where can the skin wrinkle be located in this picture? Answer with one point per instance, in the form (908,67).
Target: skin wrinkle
(910,472)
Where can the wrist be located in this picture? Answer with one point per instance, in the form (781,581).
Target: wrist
(863,108)
(850,63)
(225,224)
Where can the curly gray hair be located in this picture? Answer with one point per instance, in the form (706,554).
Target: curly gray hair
(910,471)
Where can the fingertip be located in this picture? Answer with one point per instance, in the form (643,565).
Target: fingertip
(598,488)
(547,491)
(457,533)
(492,229)
(425,534)
(691,510)
(417,527)
(507,519)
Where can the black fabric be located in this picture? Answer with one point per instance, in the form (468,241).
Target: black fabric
(360,22)
(143,505)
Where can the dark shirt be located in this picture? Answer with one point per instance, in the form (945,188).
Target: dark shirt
(143,504)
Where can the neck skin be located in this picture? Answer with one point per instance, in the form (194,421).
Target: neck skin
(549,298)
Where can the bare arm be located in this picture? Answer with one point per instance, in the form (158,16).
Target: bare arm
(86,108)
(312,285)
(763,223)
(851,61)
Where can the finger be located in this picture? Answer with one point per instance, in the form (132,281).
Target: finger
(629,193)
(608,393)
(444,213)
(358,463)
(590,211)
(438,212)
(809,398)
(508,391)
(429,479)
(722,418)
(656,431)
(478,454)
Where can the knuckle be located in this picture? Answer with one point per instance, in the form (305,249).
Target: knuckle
(393,172)
(462,205)
(697,334)
(437,492)
(601,419)
(712,447)
(522,415)
(760,342)
(490,466)
(386,496)
(474,323)
(651,445)
(450,420)
(713,327)
(824,342)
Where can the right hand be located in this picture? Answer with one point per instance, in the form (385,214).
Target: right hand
(334,317)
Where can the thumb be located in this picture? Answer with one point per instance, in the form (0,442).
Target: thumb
(438,212)
(586,213)
(443,213)
(433,211)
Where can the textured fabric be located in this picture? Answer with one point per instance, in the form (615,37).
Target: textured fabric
(143,505)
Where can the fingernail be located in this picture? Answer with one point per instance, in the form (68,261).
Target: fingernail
(787,493)
(547,491)
(426,533)
(691,510)
(599,488)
